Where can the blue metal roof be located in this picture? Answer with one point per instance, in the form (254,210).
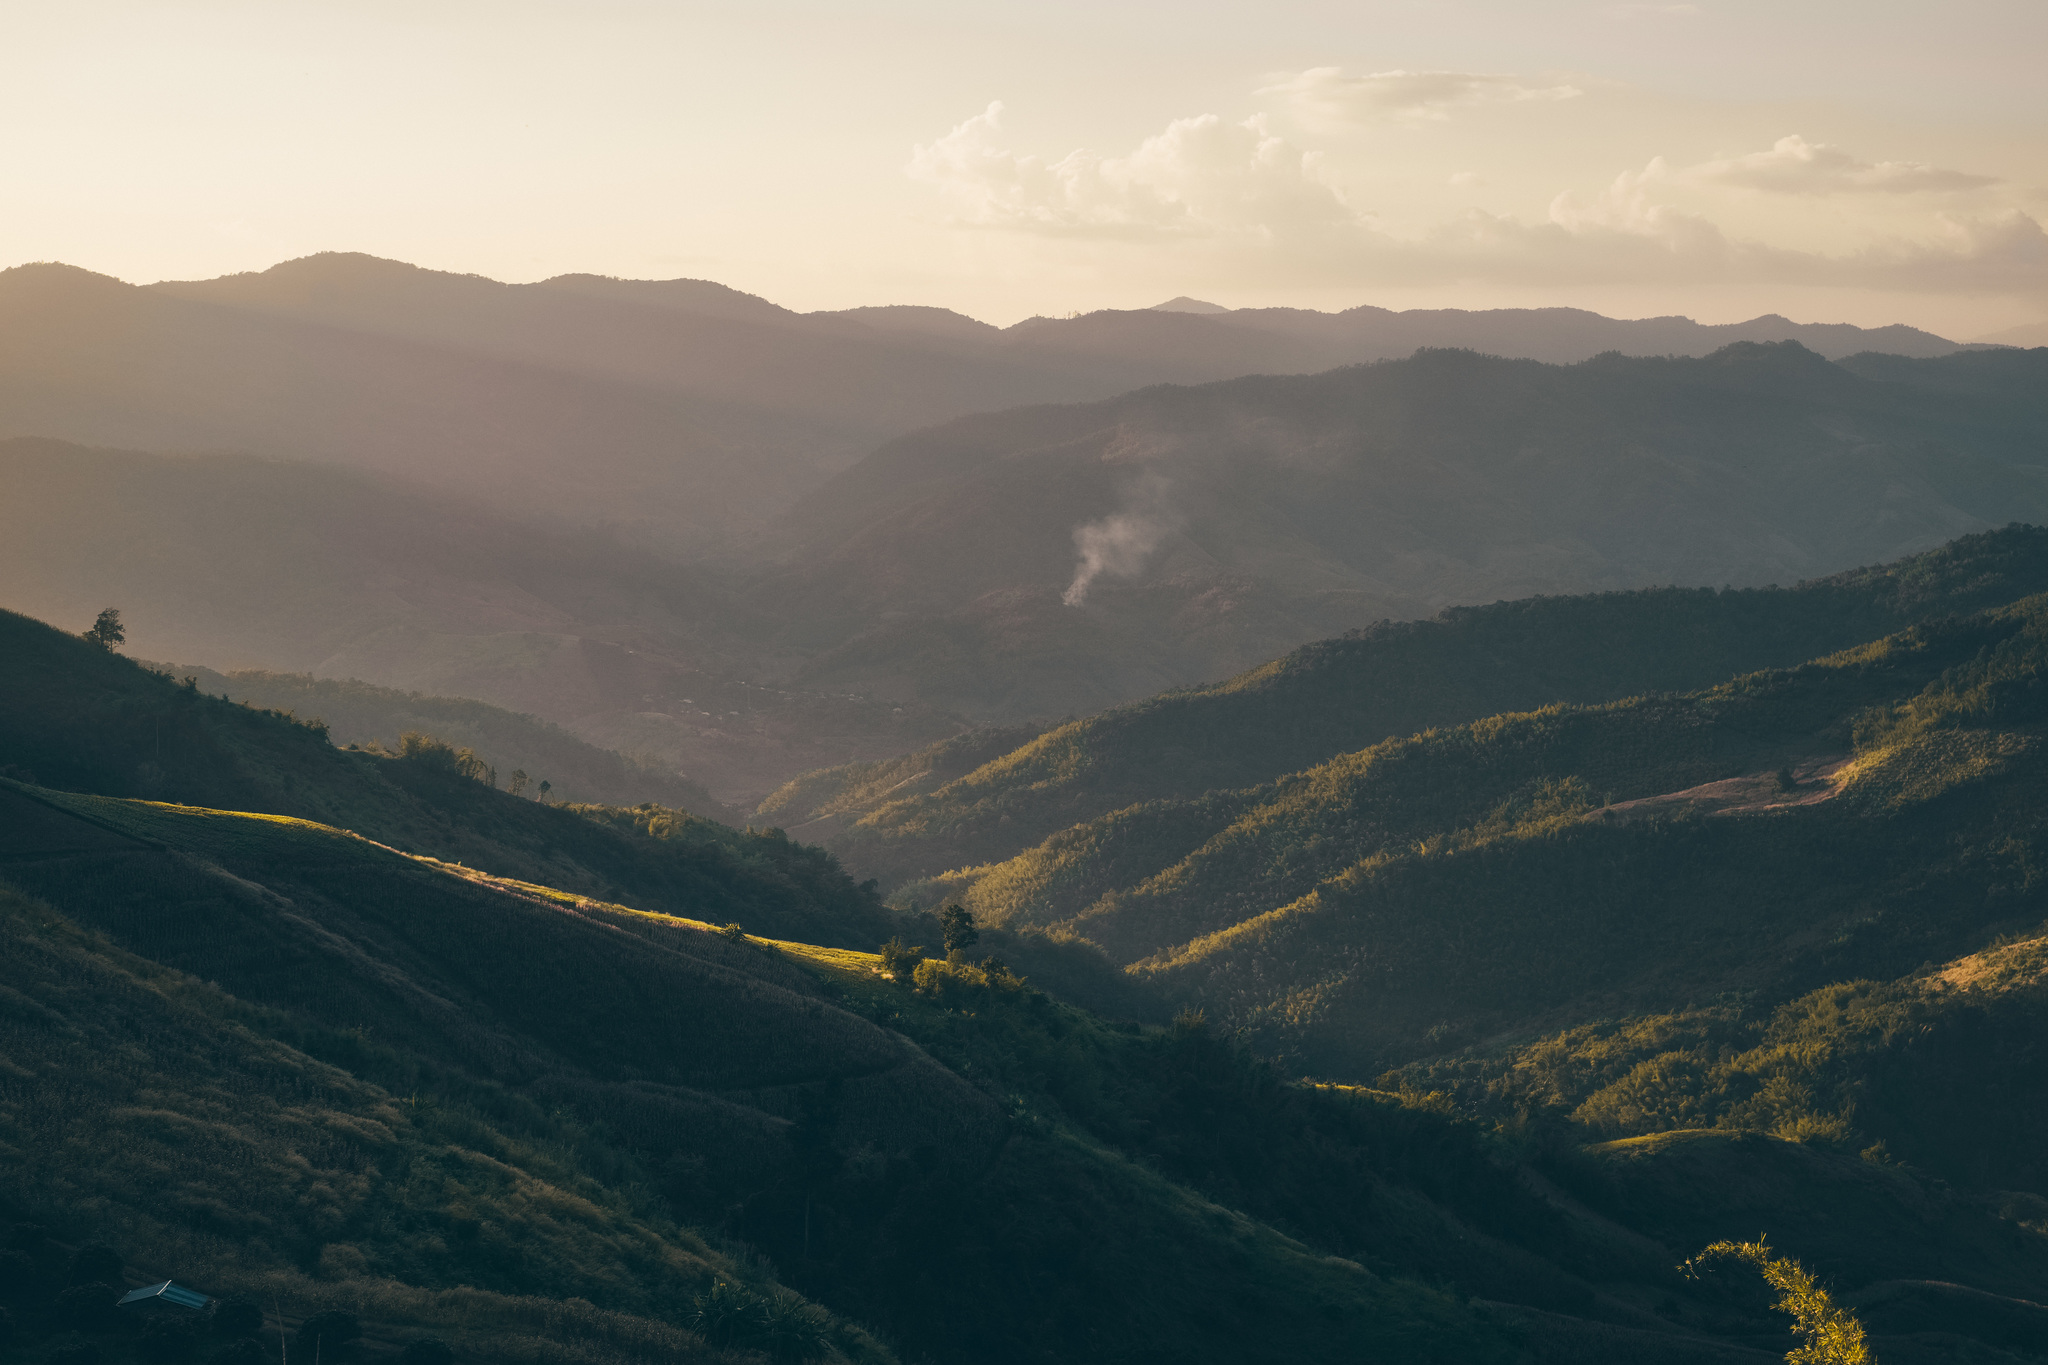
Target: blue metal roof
(167,1292)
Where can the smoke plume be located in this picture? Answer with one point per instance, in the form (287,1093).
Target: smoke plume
(1117,545)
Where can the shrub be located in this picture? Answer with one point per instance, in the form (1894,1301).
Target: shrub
(783,1326)
(440,756)
(6,1329)
(27,1238)
(79,1353)
(95,1265)
(237,1318)
(330,1333)
(792,1330)
(85,1306)
(726,1314)
(428,1351)
(247,1351)
(900,960)
(965,985)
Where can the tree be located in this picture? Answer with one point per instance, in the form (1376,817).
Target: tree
(899,959)
(517,786)
(1833,1335)
(105,631)
(958,927)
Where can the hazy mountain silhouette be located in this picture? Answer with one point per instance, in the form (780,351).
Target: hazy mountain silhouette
(1042,561)
(1058,559)
(682,411)
(240,562)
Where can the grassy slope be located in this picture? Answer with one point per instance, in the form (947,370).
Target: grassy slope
(143,1107)
(83,719)
(696,1069)
(1006,1184)
(360,713)
(1394,679)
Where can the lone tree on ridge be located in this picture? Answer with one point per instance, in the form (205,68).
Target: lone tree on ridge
(105,631)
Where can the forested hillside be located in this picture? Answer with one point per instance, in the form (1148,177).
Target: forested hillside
(499,1077)
(1852,817)
(1048,560)
(959,804)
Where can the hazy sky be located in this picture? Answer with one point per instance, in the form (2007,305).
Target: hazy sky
(1869,162)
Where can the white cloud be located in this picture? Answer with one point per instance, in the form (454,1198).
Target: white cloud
(1795,166)
(1201,177)
(1259,209)
(1329,97)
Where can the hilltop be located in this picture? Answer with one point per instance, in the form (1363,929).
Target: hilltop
(985,797)
(358,715)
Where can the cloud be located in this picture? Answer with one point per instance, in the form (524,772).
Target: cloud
(1237,199)
(1200,177)
(1329,97)
(1638,11)
(1795,166)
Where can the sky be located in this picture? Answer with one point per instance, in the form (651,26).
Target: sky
(1867,162)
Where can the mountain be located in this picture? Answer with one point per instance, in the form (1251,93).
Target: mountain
(985,797)
(1223,525)
(682,412)
(81,719)
(357,715)
(280,566)
(1855,816)
(288,1064)
(1025,564)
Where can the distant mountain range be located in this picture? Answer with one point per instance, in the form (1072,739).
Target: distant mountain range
(1055,559)
(682,412)
(1042,561)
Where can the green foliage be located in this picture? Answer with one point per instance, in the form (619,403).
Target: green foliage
(964,985)
(900,960)
(435,756)
(1832,1334)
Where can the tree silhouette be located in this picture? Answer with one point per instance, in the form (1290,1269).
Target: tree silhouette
(105,631)
(957,924)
